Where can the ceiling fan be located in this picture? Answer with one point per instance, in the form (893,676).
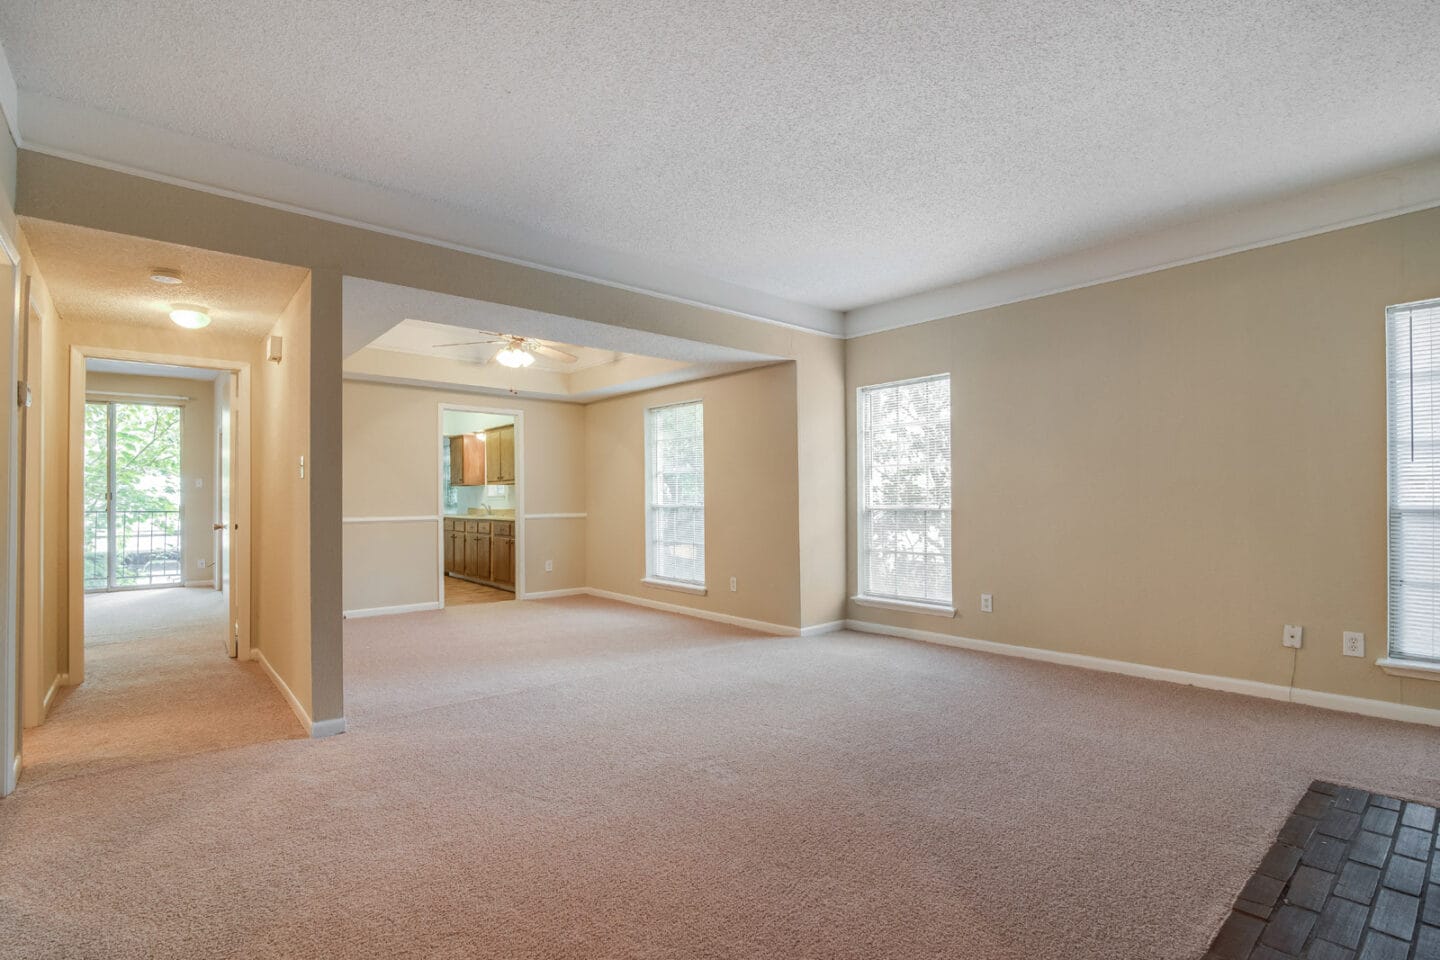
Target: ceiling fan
(518,351)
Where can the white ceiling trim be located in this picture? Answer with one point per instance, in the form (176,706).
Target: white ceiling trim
(9,97)
(1345,204)
(76,132)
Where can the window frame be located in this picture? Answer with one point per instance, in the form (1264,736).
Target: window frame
(863,597)
(651,578)
(1394,662)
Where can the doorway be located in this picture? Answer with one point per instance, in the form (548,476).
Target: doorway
(160,494)
(482,516)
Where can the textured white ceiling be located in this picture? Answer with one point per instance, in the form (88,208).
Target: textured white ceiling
(100,277)
(834,153)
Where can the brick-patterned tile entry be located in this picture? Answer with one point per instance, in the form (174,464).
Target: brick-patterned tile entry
(1352,876)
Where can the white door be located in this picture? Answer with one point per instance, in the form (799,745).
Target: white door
(225,460)
(10,460)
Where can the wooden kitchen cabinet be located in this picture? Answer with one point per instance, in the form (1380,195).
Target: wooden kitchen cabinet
(502,555)
(500,454)
(477,551)
(449,534)
(467,461)
(480,550)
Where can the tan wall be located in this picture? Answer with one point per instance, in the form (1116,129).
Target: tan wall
(281,548)
(391,468)
(1168,469)
(752,488)
(197,458)
(820,414)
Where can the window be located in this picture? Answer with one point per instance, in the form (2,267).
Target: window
(1412,335)
(905,491)
(675,493)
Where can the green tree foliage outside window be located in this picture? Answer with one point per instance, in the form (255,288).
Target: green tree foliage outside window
(147,494)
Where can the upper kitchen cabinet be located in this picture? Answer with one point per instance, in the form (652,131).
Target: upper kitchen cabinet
(499,457)
(468,463)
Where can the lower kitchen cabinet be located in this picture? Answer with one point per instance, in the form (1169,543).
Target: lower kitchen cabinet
(480,550)
(502,560)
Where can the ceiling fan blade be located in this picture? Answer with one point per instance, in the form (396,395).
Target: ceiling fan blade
(552,354)
(468,343)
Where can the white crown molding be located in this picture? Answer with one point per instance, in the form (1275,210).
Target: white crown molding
(9,98)
(1333,207)
(75,132)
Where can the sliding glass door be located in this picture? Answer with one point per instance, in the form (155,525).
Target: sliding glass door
(132,495)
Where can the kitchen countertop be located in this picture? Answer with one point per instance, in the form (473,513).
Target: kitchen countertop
(497,515)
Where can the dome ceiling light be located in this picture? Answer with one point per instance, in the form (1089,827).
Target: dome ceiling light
(189,316)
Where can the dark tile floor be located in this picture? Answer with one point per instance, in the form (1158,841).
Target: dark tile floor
(1352,876)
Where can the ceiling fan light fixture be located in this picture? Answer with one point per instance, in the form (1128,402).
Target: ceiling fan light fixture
(514,357)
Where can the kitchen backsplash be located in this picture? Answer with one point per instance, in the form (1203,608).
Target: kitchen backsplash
(495,496)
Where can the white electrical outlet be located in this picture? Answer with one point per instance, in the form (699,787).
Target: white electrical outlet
(200,563)
(987,604)
(733,585)
(549,566)
(1292,636)
(199,481)
(1352,644)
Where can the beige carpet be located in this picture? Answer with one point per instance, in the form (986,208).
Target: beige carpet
(158,686)
(581,779)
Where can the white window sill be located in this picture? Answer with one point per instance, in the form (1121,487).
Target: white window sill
(1414,669)
(905,606)
(698,589)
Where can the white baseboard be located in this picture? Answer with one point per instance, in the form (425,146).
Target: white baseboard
(314,728)
(200,583)
(389,611)
(817,629)
(1251,688)
(61,680)
(327,728)
(554,594)
(760,626)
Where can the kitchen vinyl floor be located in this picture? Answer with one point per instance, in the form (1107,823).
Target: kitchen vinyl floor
(459,592)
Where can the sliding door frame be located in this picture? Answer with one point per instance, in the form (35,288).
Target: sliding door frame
(110,403)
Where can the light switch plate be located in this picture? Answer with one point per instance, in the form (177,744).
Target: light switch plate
(987,603)
(1352,644)
(1293,635)
(549,566)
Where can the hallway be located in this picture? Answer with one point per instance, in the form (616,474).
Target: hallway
(158,686)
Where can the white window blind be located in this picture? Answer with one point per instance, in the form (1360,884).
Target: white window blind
(905,490)
(675,492)
(1412,338)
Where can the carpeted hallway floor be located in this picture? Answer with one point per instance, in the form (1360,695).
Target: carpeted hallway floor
(159,685)
(581,779)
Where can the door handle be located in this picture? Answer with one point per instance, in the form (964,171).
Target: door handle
(217,526)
